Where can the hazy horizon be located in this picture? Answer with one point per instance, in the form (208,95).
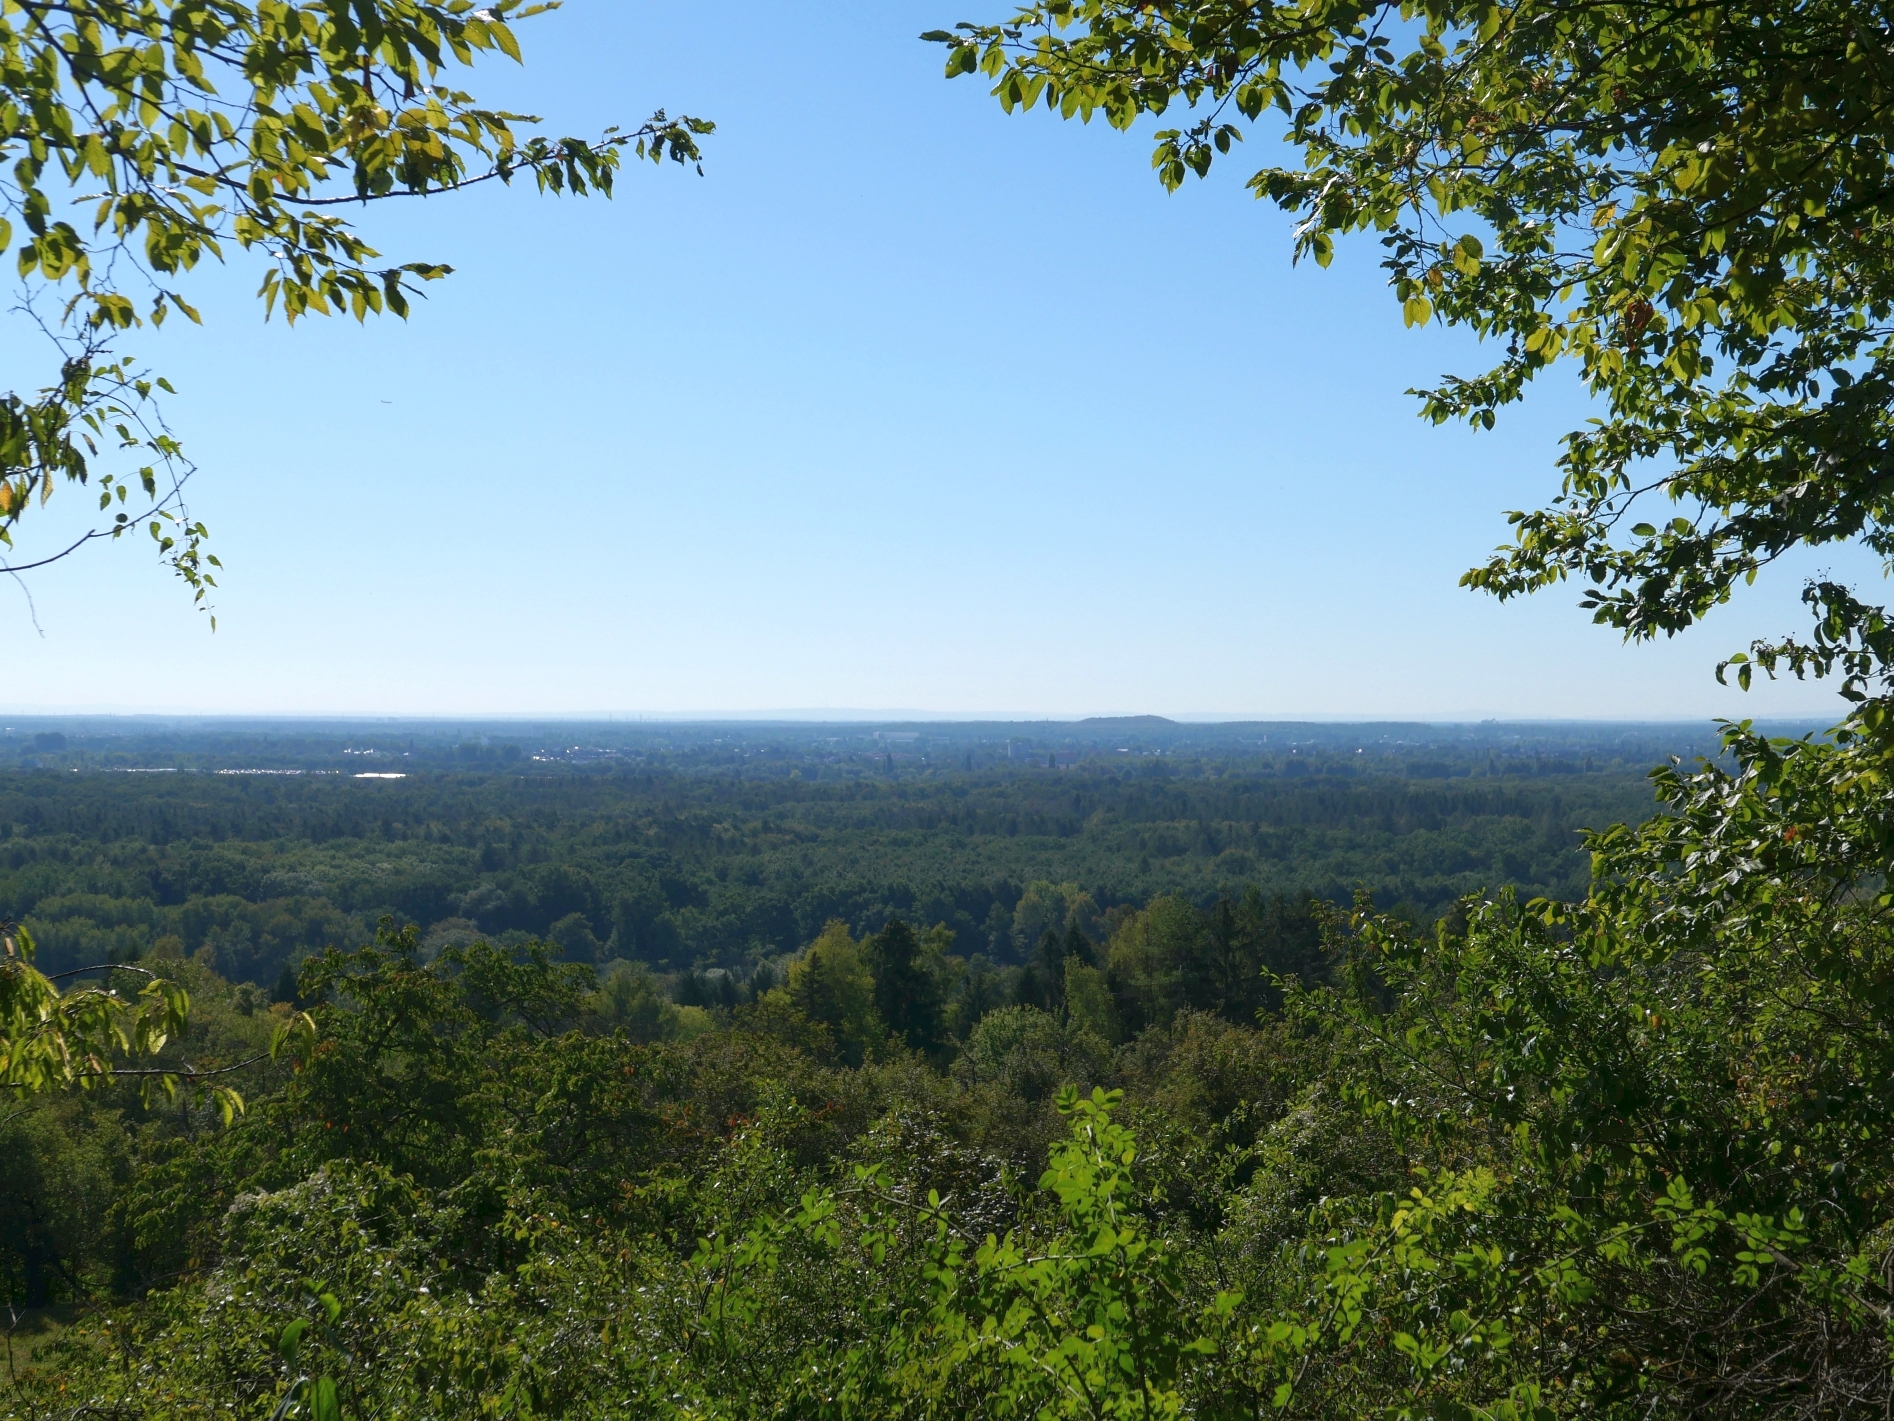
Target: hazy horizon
(819,716)
(767,438)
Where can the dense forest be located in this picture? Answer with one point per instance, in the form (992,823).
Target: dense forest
(1075,1145)
(716,847)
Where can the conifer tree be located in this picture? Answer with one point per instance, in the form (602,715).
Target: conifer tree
(907,994)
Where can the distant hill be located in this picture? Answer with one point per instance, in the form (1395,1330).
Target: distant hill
(1129,722)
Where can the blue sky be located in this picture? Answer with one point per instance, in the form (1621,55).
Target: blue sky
(904,404)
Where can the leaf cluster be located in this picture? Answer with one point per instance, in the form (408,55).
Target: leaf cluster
(1686,202)
(139,139)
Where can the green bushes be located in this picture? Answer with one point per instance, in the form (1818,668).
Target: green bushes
(1627,1157)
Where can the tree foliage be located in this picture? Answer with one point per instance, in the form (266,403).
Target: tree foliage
(1687,202)
(1623,1157)
(97,1033)
(50,1038)
(144,138)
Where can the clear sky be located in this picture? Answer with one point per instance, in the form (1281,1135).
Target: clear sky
(905,404)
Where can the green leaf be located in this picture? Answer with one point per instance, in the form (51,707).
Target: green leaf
(291,1340)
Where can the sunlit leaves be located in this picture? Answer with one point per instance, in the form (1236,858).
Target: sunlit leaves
(1684,202)
(143,139)
(51,1039)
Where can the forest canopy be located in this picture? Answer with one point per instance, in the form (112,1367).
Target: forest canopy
(698,854)
(1483,1159)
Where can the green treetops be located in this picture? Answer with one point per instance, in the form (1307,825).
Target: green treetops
(1690,201)
(142,137)
(52,1039)
(832,983)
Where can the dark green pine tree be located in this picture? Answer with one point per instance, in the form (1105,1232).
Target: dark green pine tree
(907,994)
(1048,965)
(1077,945)
(979,991)
(1030,988)
(1249,938)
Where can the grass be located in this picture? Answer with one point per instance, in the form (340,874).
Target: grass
(31,1329)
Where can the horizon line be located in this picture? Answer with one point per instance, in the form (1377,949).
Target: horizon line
(841,715)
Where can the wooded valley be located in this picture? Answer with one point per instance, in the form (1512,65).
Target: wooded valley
(681,1090)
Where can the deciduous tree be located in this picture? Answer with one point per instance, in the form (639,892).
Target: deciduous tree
(1687,203)
(143,138)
